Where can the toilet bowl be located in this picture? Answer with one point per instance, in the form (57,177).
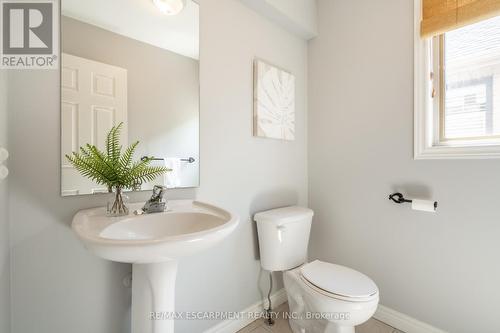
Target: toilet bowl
(323,297)
(350,300)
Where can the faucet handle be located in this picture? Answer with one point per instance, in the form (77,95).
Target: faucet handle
(158,192)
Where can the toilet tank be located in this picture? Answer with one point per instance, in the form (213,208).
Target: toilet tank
(283,237)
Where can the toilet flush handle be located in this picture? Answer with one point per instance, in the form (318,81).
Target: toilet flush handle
(281,229)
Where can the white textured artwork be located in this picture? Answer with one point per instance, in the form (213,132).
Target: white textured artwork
(274,102)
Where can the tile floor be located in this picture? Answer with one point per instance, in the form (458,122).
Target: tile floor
(281,325)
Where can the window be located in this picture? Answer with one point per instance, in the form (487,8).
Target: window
(469,65)
(457,92)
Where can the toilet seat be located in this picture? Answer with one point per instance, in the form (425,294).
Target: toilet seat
(338,282)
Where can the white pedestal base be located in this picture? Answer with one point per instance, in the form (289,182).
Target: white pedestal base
(153,297)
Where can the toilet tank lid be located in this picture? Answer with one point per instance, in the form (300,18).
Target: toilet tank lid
(284,215)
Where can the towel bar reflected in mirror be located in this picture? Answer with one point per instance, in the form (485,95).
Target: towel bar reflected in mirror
(188,160)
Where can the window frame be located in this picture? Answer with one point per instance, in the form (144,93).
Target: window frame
(428,111)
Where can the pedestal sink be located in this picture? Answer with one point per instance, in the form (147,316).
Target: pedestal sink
(153,244)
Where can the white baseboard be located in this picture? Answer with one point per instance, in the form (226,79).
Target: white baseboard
(384,314)
(403,322)
(233,326)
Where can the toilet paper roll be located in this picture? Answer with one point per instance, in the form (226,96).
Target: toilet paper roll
(424,205)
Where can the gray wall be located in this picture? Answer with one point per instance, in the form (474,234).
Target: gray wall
(57,286)
(442,269)
(4,225)
(163,91)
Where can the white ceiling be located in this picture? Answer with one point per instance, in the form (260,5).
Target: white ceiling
(141,20)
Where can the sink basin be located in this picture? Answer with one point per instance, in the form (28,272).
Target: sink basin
(153,243)
(187,227)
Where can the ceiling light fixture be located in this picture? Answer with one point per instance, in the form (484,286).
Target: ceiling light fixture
(170,7)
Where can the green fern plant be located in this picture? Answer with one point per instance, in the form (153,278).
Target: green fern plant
(115,169)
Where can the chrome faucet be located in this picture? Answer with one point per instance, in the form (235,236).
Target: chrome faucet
(156,204)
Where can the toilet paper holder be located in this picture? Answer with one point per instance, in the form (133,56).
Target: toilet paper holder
(399,199)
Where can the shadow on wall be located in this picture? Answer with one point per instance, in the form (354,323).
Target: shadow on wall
(413,191)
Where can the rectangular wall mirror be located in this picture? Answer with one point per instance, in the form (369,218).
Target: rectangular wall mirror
(136,62)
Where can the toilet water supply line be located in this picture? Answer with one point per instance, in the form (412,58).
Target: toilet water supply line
(269,316)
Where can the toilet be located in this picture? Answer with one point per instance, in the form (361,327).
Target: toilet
(323,297)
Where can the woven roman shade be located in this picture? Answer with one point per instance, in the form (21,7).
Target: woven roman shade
(440,16)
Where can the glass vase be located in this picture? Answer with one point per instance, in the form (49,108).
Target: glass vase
(117,203)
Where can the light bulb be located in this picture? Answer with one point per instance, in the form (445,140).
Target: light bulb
(170,7)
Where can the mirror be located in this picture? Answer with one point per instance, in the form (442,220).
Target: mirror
(136,62)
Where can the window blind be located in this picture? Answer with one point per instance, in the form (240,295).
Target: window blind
(440,16)
(472,82)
